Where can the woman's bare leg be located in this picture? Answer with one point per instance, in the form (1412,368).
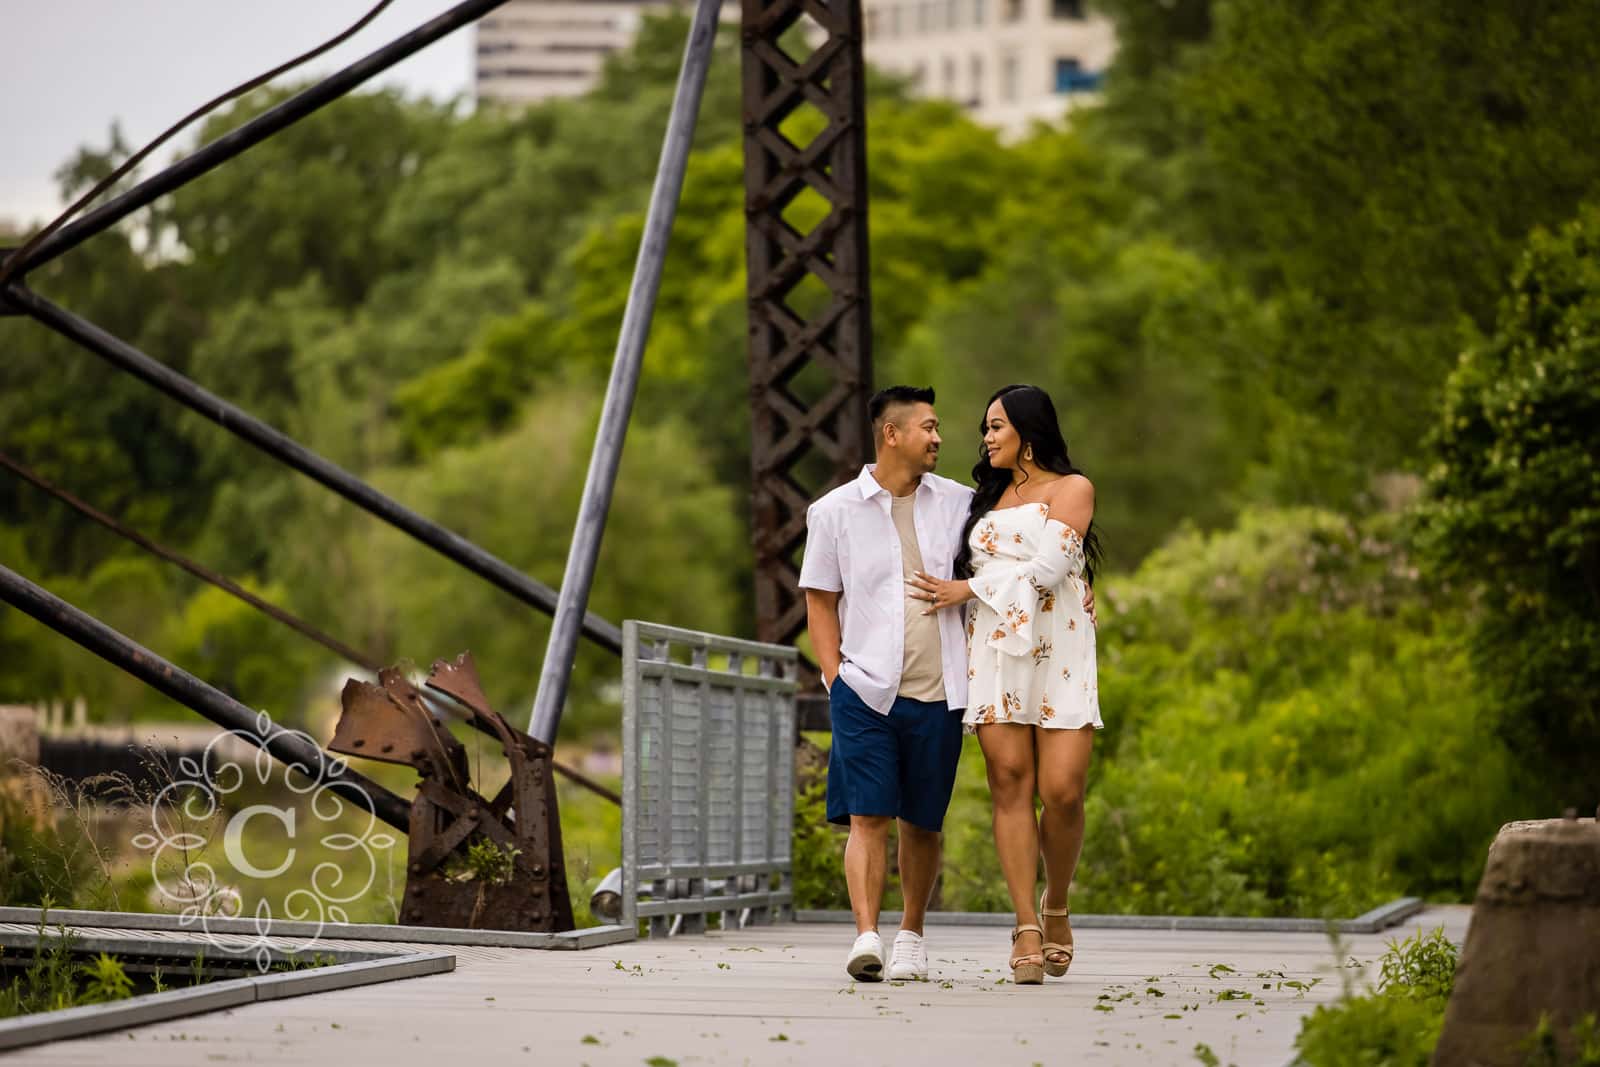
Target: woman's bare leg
(1062,770)
(1009,758)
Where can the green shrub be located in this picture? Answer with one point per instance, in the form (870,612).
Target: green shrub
(1544,1046)
(818,851)
(52,980)
(104,980)
(1397,1024)
(1363,1031)
(1284,701)
(1514,513)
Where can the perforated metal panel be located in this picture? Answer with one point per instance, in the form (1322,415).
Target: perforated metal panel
(707,778)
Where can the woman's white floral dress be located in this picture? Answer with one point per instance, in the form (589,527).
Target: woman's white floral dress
(1030,644)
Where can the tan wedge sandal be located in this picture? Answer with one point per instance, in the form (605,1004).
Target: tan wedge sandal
(1057,957)
(1027,969)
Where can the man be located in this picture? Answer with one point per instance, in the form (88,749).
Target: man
(896,673)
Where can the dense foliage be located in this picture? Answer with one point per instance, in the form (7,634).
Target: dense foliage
(1397,1022)
(1515,515)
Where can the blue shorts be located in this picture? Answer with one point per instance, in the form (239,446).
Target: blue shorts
(902,764)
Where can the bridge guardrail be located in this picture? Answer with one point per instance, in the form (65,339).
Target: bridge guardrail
(708,727)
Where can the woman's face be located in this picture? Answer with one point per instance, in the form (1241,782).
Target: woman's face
(1000,438)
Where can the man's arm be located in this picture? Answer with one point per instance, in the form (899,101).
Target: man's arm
(822,621)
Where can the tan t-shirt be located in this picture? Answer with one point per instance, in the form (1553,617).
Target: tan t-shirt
(922,674)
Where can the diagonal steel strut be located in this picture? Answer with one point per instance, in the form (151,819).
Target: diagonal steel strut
(252,133)
(286,450)
(186,689)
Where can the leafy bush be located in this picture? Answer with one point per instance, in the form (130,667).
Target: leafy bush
(52,980)
(818,851)
(1268,690)
(1583,1039)
(1398,1023)
(1515,502)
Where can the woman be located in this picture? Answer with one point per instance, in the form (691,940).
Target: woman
(1027,554)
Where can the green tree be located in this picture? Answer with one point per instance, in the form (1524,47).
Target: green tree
(82,424)
(1368,169)
(1514,513)
(670,533)
(306,202)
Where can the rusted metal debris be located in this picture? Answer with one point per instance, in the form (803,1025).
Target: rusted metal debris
(810,330)
(473,863)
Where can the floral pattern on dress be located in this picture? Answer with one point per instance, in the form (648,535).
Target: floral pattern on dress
(1029,659)
(1047,597)
(987,539)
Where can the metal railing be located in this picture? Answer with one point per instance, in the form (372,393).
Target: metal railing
(708,728)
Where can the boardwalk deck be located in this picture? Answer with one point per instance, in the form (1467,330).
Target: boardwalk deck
(778,995)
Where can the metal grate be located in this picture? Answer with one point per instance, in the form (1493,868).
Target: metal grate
(707,779)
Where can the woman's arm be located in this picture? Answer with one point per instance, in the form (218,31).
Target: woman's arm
(940,593)
(1071,502)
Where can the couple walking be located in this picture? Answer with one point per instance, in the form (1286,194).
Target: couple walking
(891,561)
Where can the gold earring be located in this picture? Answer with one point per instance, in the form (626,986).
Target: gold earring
(1028,455)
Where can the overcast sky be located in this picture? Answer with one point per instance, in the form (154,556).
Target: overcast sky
(72,67)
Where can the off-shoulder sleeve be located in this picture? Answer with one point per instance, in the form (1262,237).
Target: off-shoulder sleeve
(1015,591)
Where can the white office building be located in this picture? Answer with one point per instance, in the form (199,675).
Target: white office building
(531,50)
(1007,61)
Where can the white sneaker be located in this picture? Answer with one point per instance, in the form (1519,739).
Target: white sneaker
(866,958)
(910,962)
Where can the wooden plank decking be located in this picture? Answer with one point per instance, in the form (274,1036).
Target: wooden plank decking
(779,995)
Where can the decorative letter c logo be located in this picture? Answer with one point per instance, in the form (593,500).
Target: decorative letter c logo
(232,844)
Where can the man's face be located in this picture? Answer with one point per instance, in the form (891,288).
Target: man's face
(912,432)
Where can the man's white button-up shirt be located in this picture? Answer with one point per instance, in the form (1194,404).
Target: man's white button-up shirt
(852,548)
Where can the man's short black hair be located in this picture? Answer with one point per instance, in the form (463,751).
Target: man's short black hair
(883,399)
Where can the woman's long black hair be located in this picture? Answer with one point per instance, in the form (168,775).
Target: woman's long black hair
(1033,416)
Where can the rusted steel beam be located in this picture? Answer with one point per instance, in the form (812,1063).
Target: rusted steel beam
(810,323)
(177,683)
(232,588)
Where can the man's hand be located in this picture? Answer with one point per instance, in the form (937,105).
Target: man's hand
(1088,605)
